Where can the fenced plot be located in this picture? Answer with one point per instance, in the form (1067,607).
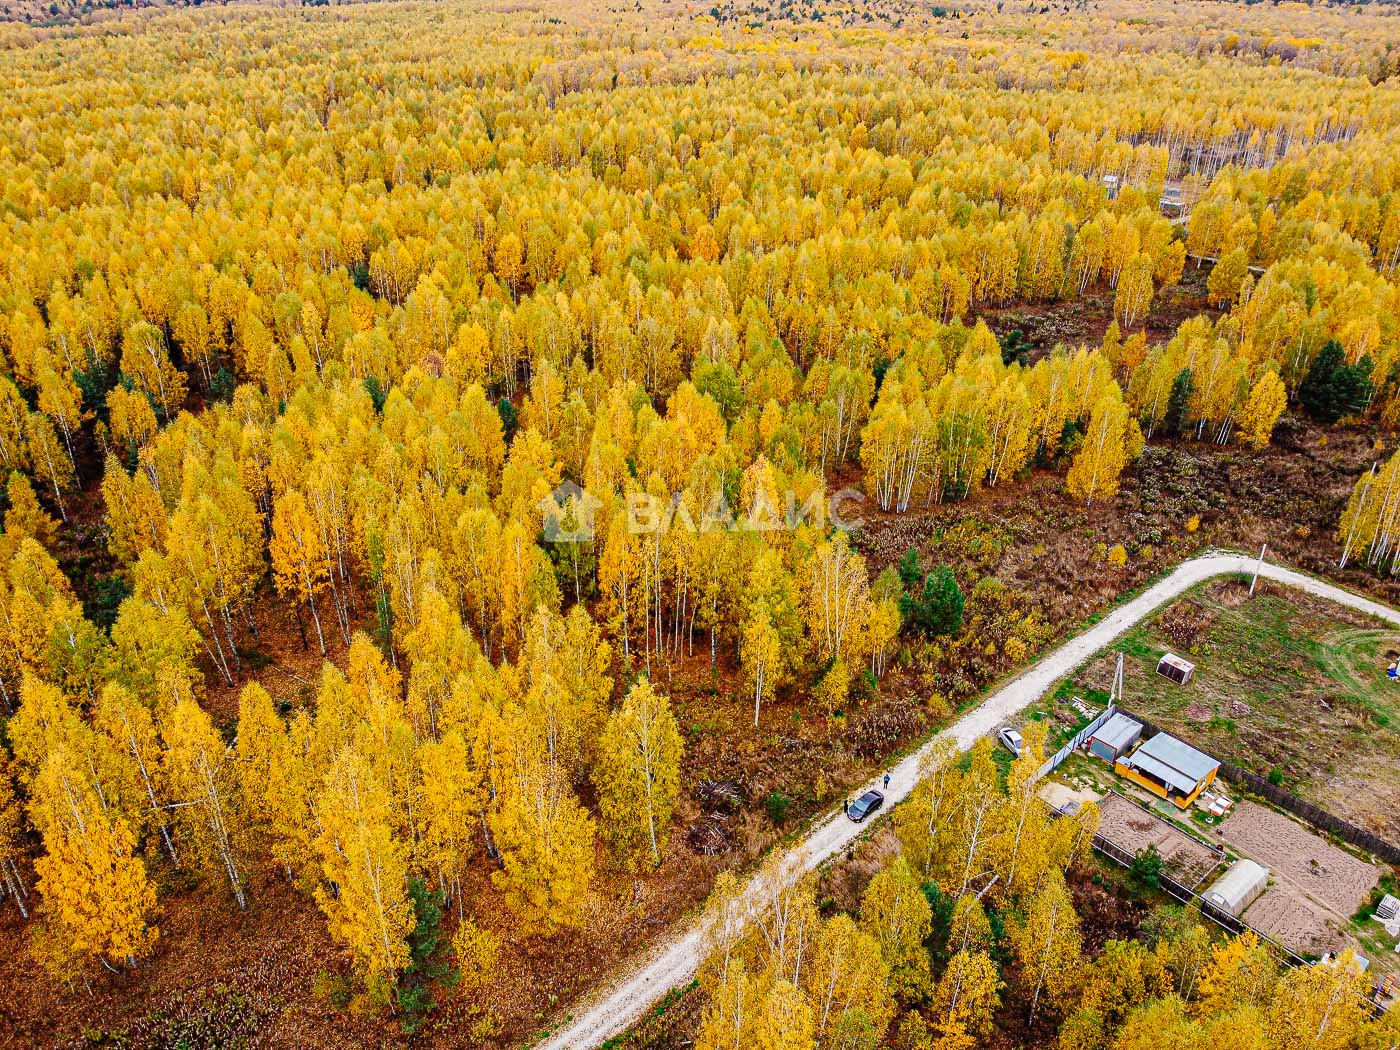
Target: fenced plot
(1300,856)
(1289,918)
(1132,829)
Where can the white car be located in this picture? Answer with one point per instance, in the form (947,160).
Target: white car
(1011,740)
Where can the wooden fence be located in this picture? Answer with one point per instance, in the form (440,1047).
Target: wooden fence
(1318,818)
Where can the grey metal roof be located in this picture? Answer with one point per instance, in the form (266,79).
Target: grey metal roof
(1173,761)
(1117,731)
(1173,778)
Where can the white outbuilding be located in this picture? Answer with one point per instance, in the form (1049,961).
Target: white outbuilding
(1175,668)
(1239,887)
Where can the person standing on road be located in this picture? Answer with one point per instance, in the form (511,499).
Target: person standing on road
(887,781)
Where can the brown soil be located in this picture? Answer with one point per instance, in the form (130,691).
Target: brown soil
(1290,918)
(1083,321)
(1132,829)
(1292,851)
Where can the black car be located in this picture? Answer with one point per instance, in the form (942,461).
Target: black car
(867,804)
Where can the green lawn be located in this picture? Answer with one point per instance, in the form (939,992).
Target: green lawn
(1285,684)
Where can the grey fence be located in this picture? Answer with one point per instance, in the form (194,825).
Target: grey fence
(1218,852)
(1318,818)
(1188,896)
(1079,738)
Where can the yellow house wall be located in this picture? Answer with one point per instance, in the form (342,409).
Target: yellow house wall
(1160,791)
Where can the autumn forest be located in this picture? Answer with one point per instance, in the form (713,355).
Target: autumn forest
(316,732)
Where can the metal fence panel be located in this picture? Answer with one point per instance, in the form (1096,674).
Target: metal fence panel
(1318,818)
(1079,738)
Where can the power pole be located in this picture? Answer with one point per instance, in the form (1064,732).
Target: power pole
(1257,566)
(1117,694)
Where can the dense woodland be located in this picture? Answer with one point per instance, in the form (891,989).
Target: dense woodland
(970,928)
(304,312)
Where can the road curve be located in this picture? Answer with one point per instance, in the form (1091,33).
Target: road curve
(674,963)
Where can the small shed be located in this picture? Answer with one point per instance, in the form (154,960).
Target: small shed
(1174,667)
(1115,738)
(1170,768)
(1388,908)
(1239,887)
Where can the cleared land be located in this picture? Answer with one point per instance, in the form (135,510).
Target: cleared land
(1132,829)
(1288,917)
(1286,683)
(1294,852)
(1316,886)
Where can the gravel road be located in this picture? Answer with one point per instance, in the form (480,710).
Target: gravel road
(673,964)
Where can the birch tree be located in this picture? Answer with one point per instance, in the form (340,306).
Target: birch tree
(638,774)
(203,778)
(1048,946)
(366,869)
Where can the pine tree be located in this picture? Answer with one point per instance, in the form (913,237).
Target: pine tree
(908,569)
(938,608)
(1178,413)
(1332,388)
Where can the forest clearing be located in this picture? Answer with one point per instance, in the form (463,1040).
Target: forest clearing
(481,479)
(1288,686)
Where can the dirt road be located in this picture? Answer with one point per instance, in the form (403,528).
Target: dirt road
(674,963)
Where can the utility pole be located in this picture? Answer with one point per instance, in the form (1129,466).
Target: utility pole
(1257,566)
(1117,694)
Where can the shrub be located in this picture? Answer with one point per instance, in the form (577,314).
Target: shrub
(777,805)
(938,608)
(1146,868)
